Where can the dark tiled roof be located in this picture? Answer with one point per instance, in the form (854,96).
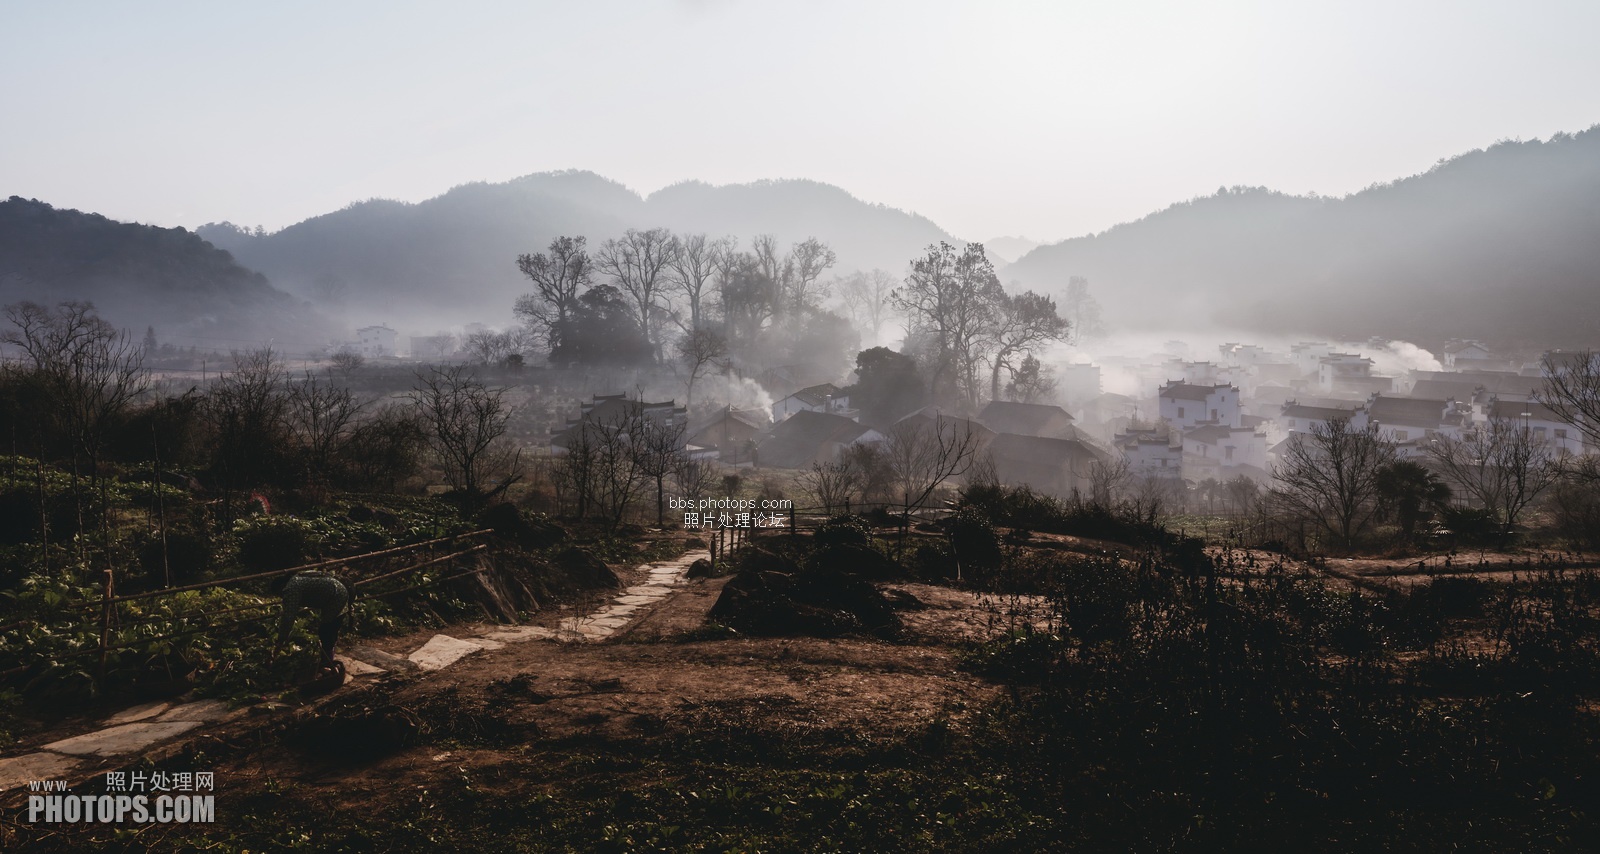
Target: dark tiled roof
(795,442)
(1185,391)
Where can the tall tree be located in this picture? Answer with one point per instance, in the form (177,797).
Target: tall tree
(558,279)
(693,268)
(463,419)
(698,351)
(1021,324)
(953,299)
(638,264)
(1330,477)
(809,259)
(866,297)
(1501,464)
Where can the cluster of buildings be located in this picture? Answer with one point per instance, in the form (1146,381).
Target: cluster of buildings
(1232,417)
(1216,419)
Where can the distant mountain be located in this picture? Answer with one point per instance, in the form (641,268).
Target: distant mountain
(139,275)
(452,259)
(1007,250)
(1501,244)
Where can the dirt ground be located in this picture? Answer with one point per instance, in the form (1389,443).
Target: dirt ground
(520,714)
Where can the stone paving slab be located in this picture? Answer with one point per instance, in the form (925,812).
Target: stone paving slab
(204,711)
(640,599)
(127,738)
(381,659)
(356,667)
(138,713)
(441,651)
(517,634)
(19,771)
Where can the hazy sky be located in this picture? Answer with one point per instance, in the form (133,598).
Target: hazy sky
(1047,119)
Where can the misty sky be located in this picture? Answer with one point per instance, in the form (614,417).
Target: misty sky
(1047,119)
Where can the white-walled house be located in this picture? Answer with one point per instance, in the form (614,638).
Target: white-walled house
(1150,453)
(1336,369)
(376,342)
(1303,418)
(1213,450)
(1186,406)
(1405,419)
(1542,421)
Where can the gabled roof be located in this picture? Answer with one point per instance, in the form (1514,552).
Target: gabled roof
(929,414)
(1420,412)
(1512,410)
(735,415)
(797,441)
(1185,391)
(1321,413)
(816,395)
(1042,450)
(1028,419)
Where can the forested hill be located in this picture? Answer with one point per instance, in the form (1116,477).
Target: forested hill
(139,276)
(1501,244)
(452,258)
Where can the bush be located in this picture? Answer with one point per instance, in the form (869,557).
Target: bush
(273,542)
(842,531)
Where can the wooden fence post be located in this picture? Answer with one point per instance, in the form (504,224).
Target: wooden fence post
(105,621)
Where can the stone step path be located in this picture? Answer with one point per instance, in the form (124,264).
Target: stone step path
(134,730)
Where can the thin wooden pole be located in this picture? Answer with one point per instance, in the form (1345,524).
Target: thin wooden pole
(106,608)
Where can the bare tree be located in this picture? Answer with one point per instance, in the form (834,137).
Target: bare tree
(617,468)
(923,454)
(1501,464)
(346,361)
(698,350)
(491,347)
(93,371)
(834,483)
(463,420)
(808,260)
(436,346)
(866,297)
(1330,477)
(696,263)
(1243,493)
(1108,478)
(322,416)
(558,279)
(659,447)
(639,264)
(248,412)
(1572,391)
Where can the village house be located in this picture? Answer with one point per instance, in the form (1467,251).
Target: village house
(1028,419)
(1186,406)
(808,437)
(1059,467)
(1458,350)
(1150,452)
(1406,419)
(818,398)
(612,411)
(1296,417)
(731,433)
(376,342)
(1221,452)
(1542,422)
